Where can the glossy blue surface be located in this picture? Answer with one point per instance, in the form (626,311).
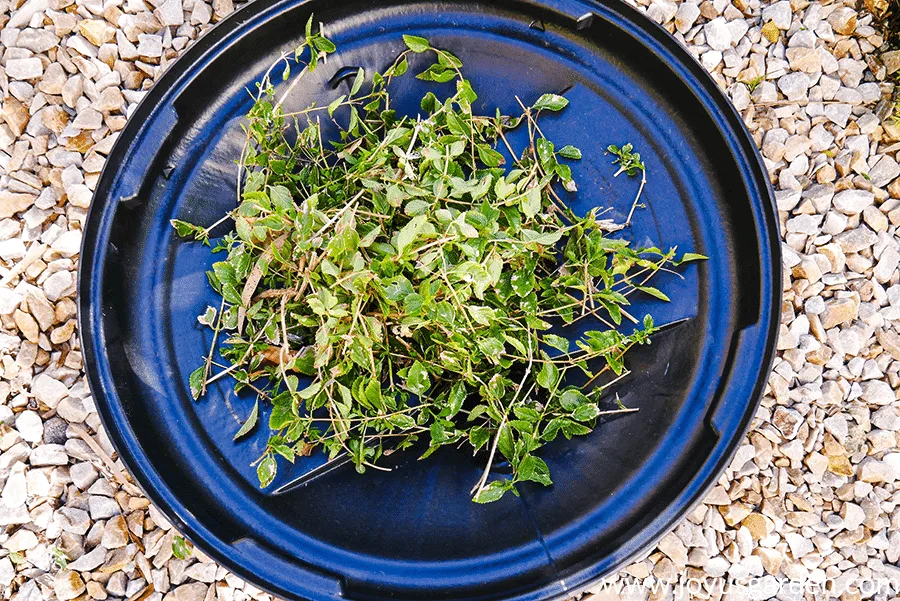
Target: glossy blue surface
(413,533)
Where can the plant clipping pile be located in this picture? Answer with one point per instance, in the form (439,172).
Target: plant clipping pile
(397,284)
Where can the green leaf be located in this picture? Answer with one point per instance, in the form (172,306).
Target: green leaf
(402,421)
(266,471)
(571,428)
(324,44)
(281,416)
(522,282)
(456,398)
(195,381)
(416,206)
(408,232)
(548,239)
(479,436)
(437,76)
(586,412)
(396,289)
(482,315)
(490,347)
(550,102)
(358,81)
(180,547)
(569,152)
(545,152)
(688,257)
(534,469)
(505,442)
(185,229)
(557,342)
(335,104)
(310,391)
(416,44)
(654,292)
(572,400)
(548,377)
(251,421)
(281,198)
(492,492)
(208,318)
(401,67)
(531,202)
(417,380)
(489,156)
(527,414)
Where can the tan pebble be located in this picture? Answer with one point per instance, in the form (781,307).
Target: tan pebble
(665,570)
(81,143)
(55,119)
(15,114)
(758,525)
(68,585)
(41,309)
(110,100)
(112,14)
(27,325)
(72,90)
(771,32)
(890,342)
(717,496)
(839,312)
(65,309)
(770,558)
(63,333)
(96,31)
(222,8)
(96,590)
(734,513)
(843,20)
(11,203)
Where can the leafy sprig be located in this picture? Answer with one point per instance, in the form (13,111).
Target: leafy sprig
(630,163)
(399,284)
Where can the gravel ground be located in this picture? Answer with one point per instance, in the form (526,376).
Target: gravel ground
(812,495)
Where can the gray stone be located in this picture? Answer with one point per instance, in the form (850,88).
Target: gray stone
(48,390)
(878,392)
(24,68)
(74,520)
(37,40)
(89,561)
(170,12)
(7,572)
(857,239)
(72,410)
(48,454)
(194,591)
(884,171)
(853,202)
(718,36)
(83,474)
(778,13)
(103,507)
(794,85)
(55,431)
(886,418)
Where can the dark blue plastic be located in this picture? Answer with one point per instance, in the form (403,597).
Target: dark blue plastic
(413,533)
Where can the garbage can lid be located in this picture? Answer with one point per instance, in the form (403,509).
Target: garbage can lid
(413,533)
